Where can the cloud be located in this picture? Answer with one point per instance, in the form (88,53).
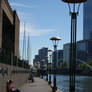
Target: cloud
(34,32)
(22,5)
(24,16)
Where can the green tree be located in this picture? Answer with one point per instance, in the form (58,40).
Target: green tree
(63,65)
(89,63)
(83,66)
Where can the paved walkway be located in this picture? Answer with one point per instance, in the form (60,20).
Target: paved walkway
(39,85)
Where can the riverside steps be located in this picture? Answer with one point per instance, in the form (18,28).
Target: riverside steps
(39,85)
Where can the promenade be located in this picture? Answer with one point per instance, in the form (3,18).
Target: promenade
(40,85)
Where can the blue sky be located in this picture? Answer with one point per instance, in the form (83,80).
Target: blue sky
(44,19)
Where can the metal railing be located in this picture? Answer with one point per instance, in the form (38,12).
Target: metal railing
(7,57)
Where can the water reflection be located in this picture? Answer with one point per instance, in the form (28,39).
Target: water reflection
(83,83)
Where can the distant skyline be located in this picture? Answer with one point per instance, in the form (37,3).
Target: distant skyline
(44,19)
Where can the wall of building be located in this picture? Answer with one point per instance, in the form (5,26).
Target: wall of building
(7,9)
(5,74)
(87,20)
(16,29)
(13,22)
(66,53)
(0,25)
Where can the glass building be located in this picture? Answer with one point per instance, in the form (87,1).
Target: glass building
(42,53)
(84,51)
(87,20)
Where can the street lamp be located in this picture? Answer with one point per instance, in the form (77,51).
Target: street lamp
(42,61)
(74,6)
(50,68)
(55,41)
(47,67)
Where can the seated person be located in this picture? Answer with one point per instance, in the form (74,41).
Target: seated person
(10,87)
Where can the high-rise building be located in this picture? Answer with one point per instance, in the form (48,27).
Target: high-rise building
(84,51)
(42,53)
(36,61)
(59,55)
(66,52)
(87,20)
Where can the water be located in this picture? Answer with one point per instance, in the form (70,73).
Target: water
(83,83)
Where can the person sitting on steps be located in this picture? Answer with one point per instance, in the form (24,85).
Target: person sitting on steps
(10,87)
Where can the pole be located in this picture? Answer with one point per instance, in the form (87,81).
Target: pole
(50,71)
(11,64)
(42,69)
(47,71)
(54,87)
(73,52)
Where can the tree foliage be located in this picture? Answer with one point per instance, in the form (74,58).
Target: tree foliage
(63,65)
(85,66)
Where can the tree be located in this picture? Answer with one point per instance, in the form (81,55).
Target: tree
(83,66)
(63,65)
(89,63)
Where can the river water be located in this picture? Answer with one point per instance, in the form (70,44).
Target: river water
(83,83)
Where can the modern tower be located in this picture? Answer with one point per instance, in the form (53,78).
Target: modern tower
(87,20)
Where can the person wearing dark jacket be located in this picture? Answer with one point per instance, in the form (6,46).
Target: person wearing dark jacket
(10,87)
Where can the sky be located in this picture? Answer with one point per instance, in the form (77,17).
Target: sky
(44,19)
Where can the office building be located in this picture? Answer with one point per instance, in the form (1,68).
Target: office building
(87,20)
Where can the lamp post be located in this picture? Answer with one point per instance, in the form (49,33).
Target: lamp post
(50,68)
(55,41)
(42,67)
(47,67)
(74,6)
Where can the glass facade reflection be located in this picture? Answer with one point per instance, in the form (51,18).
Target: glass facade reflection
(87,20)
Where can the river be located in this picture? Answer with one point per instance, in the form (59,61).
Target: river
(83,83)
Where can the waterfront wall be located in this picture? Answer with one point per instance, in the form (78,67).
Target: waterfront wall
(18,75)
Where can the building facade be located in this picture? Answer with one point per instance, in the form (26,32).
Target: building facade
(9,28)
(36,60)
(41,57)
(66,53)
(59,55)
(87,20)
(84,51)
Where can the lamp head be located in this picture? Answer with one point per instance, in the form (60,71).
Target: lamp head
(74,1)
(55,40)
(47,57)
(50,50)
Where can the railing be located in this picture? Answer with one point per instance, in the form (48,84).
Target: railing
(7,57)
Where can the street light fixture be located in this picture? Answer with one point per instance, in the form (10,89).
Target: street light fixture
(42,61)
(55,41)
(74,6)
(50,68)
(47,67)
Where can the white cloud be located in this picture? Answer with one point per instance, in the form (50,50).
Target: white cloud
(24,16)
(22,5)
(34,32)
